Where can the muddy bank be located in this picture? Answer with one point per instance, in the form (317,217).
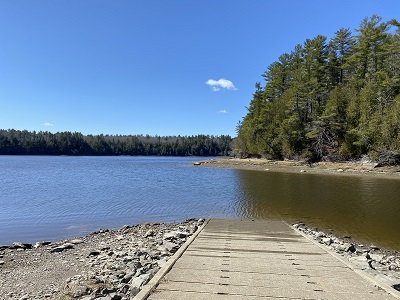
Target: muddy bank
(359,168)
(107,264)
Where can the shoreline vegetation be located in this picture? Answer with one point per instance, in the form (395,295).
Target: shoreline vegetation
(329,100)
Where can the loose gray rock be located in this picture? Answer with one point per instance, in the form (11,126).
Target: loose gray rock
(171,247)
(58,249)
(41,244)
(346,247)
(376,257)
(111,264)
(94,253)
(150,232)
(327,241)
(19,245)
(68,246)
(76,241)
(128,277)
(138,282)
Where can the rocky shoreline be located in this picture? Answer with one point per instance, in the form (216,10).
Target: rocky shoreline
(107,264)
(382,264)
(363,167)
(116,264)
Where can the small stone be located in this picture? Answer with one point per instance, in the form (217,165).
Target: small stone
(107,291)
(181,234)
(327,241)
(171,247)
(175,235)
(24,297)
(94,253)
(169,236)
(376,257)
(76,241)
(360,259)
(68,246)
(115,296)
(19,245)
(58,249)
(346,247)
(138,282)
(124,288)
(340,170)
(2,262)
(79,291)
(40,244)
(127,277)
(150,232)
(366,255)
(297,225)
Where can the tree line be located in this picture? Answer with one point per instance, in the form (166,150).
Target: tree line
(16,142)
(329,100)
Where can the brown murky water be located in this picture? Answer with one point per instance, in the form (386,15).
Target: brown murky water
(366,208)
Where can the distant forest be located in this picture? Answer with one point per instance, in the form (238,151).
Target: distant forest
(16,142)
(329,100)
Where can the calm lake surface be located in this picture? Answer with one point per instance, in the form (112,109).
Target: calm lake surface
(51,198)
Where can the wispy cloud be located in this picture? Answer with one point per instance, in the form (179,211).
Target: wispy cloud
(223,111)
(217,85)
(47,124)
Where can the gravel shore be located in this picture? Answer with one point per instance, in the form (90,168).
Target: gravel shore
(382,264)
(357,168)
(116,264)
(107,264)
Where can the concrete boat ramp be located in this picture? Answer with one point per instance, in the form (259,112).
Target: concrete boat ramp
(261,259)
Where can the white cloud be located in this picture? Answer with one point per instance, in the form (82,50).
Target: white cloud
(223,111)
(47,124)
(223,83)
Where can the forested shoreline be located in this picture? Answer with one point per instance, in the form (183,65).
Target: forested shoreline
(329,100)
(17,142)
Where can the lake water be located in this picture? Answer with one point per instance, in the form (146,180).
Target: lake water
(50,198)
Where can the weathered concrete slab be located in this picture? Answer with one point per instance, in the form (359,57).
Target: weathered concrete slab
(244,259)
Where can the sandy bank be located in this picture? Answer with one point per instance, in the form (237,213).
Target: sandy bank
(359,168)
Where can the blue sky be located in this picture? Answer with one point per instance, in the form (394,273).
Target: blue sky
(175,67)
